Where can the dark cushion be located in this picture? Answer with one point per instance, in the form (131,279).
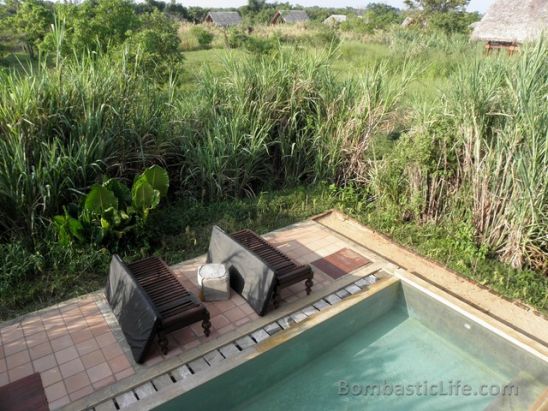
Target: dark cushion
(132,307)
(249,275)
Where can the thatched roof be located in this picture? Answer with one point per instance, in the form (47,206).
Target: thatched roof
(513,21)
(335,18)
(290,16)
(223,18)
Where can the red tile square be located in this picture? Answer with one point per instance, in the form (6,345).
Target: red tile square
(93,358)
(66,355)
(234,314)
(61,342)
(20,372)
(105,339)
(77,381)
(341,262)
(87,346)
(44,363)
(112,350)
(119,363)
(99,372)
(20,358)
(55,391)
(51,376)
(40,350)
(71,367)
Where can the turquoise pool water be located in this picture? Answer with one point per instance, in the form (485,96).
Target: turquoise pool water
(372,356)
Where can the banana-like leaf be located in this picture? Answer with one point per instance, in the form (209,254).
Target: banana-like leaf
(158,178)
(144,196)
(120,190)
(100,199)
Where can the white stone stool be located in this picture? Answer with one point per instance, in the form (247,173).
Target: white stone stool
(214,282)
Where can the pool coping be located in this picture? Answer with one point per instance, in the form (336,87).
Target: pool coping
(168,365)
(534,324)
(187,384)
(396,276)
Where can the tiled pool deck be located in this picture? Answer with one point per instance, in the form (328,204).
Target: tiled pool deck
(81,353)
(78,348)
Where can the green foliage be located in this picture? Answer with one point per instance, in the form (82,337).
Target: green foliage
(94,25)
(442,6)
(31,22)
(110,212)
(155,47)
(203,36)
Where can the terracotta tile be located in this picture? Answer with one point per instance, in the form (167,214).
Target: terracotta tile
(183,336)
(61,343)
(225,305)
(3,365)
(124,374)
(99,372)
(44,363)
(4,379)
(37,339)
(119,363)
(54,405)
(81,393)
(13,334)
(234,314)
(57,332)
(51,376)
(219,321)
(246,308)
(20,358)
(93,358)
(226,329)
(71,367)
(33,326)
(87,346)
(40,350)
(20,372)
(99,330)
(66,355)
(112,350)
(104,382)
(105,339)
(191,344)
(14,347)
(77,381)
(242,321)
(55,391)
(341,262)
(80,335)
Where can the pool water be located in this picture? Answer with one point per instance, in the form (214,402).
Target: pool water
(370,354)
(393,350)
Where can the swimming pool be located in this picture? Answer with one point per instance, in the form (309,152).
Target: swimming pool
(398,349)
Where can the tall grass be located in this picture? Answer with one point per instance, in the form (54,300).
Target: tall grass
(480,155)
(269,121)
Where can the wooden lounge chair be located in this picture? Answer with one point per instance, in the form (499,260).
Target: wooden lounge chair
(148,300)
(286,271)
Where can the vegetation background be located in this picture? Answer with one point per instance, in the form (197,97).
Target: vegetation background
(412,131)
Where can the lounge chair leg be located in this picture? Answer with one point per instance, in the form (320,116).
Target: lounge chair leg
(206,325)
(308,283)
(162,341)
(276,297)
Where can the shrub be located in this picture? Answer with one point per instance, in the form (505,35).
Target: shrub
(111,211)
(203,36)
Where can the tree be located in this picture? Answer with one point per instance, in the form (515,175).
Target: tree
(442,6)
(255,5)
(31,22)
(380,16)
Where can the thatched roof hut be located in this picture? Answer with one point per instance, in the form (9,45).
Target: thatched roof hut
(513,21)
(223,18)
(335,19)
(289,16)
